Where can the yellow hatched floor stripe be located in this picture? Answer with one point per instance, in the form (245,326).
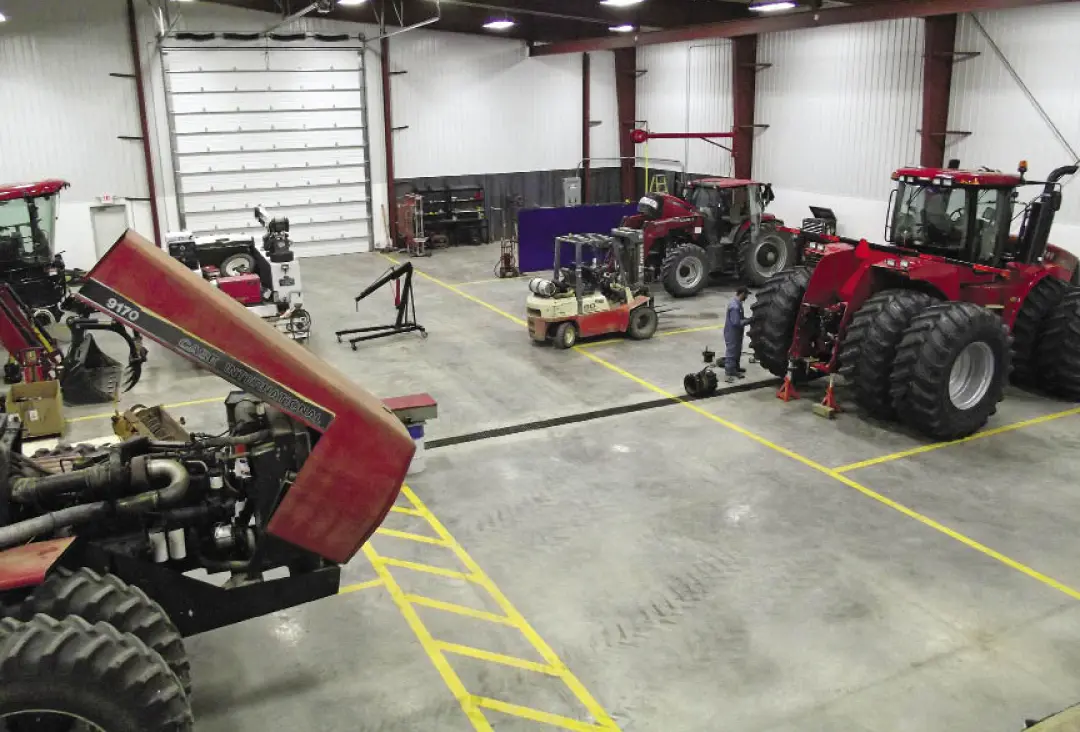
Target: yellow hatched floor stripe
(536,715)
(420,538)
(428,568)
(938,445)
(360,586)
(481,654)
(451,607)
(404,510)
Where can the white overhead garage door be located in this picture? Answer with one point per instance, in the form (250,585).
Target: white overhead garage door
(284,129)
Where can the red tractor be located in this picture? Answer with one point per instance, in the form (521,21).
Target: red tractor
(929,325)
(718,227)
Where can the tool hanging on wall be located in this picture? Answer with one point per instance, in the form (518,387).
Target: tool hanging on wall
(404,301)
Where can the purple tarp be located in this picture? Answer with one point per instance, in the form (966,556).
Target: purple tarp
(538,227)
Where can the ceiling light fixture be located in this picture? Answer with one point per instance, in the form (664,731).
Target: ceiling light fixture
(499,24)
(620,3)
(772,6)
(2,17)
(350,3)
(624,28)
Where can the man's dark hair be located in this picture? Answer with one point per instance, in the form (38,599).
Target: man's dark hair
(744,290)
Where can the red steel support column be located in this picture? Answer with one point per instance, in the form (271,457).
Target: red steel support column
(626,95)
(937,86)
(388,133)
(586,126)
(744,86)
(144,126)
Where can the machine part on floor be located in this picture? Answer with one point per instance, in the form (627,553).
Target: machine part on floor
(29,262)
(153,422)
(87,374)
(61,675)
(265,279)
(598,295)
(404,302)
(929,312)
(308,469)
(705,382)
(718,227)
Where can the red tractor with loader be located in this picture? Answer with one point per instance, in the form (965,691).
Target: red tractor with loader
(718,227)
(929,325)
(97,553)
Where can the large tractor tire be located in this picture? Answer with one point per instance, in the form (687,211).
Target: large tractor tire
(1058,352)
(685,271)
(774,314)
(869,349)
(1029,326)
(771,253)
(59,675)
(951,370)
(108,599)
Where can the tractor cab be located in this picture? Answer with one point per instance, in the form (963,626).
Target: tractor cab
(966,216)
(28,260)
(727,204)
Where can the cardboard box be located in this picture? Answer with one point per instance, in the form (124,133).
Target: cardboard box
(39,405)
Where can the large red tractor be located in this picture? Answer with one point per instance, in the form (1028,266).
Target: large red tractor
(928,325)
(718,227)
(96,561)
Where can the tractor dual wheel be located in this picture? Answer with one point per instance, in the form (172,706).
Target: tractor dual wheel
(685,270)
(1030,324)
(774,315)
(951,370)
(566,335)
(869,348)
(1058,352)
(769,254)
(643,322)
(108,599)
(67,675)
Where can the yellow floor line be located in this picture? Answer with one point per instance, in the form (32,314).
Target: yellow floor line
(490,279)
(662,334)
(840,477)
(406,511)
(427,568)
(453,681)
(938,445)
(411,537)
(451,607)
(535,715)
(482,655)
(360,586)
(192,403)
(465,295)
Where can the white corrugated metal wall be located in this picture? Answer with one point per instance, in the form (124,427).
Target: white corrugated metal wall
(686,87)
(1040,43)
(604,108)
(844,105)
(478,105)
(63,112)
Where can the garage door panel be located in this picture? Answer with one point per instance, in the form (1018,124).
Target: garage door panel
(298,215)
(253,58)
(275,200)
(261,81)
(231,143)
(291,160)
(285,101)
(258,122)
(217,183)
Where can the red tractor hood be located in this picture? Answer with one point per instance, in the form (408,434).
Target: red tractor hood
(356,468)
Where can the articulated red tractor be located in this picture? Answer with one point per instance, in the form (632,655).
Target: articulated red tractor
(929,325)
(97,551)
(718,227)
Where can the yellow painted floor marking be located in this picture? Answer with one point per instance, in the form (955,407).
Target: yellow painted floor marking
(410,536)
(427,568)
(451,607)
(481,654)
(661,334)
(938,445)
(404,510)
(491,279)
(192,403)
(536,715)
(360,586)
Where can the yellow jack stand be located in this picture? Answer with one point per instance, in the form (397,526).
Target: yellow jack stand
(787,392)
(829,406)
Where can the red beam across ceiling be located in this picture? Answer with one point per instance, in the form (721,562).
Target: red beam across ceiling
(886,10)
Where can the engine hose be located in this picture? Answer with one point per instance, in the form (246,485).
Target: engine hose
(46,524)
(161,498)
(31,490)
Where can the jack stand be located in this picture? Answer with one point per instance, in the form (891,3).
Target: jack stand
(403,302)
(829,406)
(787,392)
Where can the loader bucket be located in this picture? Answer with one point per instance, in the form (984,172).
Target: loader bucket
(90,375)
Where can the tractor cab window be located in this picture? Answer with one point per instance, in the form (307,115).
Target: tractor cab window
(740,204)
(992,217)
(931,217)
(704,198)
(26,230)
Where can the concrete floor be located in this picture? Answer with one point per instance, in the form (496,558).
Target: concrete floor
(674,568)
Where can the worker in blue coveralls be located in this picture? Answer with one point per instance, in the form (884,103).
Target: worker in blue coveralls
(734,326)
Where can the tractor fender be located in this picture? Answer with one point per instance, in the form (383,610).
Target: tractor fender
(1063,260)
(1019,293)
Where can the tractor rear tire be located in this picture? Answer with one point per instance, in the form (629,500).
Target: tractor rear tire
(770,254)
(566,336)
(1030,324)
(685,270)
(108,599)
(643,322)
(869,349)
(774,315)
(1058,353)
(54,673)
(951,370)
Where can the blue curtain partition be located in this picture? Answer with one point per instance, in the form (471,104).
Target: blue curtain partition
(538,227)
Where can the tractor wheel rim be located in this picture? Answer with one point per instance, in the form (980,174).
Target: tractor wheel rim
(971,376)
(47,721)
(771,256)
(690,273)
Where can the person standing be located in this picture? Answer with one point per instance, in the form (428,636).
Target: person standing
(734,325)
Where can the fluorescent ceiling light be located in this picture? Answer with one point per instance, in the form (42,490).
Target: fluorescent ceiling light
(500,24)
(624,28)
(772,7)
(621,3)
(347,3)
(2,17)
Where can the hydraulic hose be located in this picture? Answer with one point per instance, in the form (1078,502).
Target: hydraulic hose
(31,490)
(161,498)
(46,524)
